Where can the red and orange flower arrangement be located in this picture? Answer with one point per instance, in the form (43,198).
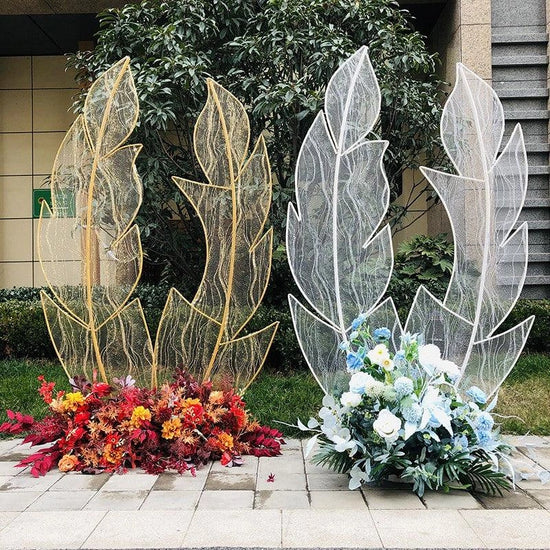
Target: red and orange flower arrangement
(180,426)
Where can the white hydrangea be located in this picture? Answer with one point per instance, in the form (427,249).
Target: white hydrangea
(449,368)
(429,356)
(374,388)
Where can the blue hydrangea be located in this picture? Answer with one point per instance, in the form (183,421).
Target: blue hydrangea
(483,437)
(382,334)
(353,361)
(356,323)
(399,358)
(413,413)
(403,386)
(460,442)
(485,422)
(477,394)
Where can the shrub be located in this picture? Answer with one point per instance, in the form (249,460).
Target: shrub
(151,296)
(23,331)
(423,260)
(285,354)
(538,338)
(429,261)
(22,293)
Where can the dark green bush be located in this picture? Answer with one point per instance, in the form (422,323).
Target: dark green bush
(285,354)
(21,294)
(151,296)
(23,331)
(277,56)
(538,337)
(423,260)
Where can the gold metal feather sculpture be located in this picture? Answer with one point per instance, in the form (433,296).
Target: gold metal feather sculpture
(206,335)
(89,249)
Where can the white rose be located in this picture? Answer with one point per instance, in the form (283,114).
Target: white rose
(429,357)
(449,368)
(350,399)
(387,425)
(378,354)
(359,381)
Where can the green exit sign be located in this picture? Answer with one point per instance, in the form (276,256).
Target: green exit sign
(38,197)
(65,203)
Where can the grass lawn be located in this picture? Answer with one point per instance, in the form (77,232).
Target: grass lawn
(284,398)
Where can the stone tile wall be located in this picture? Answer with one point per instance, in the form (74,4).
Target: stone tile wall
(35,99)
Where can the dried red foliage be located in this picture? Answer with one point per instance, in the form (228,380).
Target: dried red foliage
(179,426)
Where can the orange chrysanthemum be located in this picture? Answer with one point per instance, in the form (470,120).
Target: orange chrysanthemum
(72,401)
(171,428)
(67,463)
(225,441)
(112,454)
(139,415)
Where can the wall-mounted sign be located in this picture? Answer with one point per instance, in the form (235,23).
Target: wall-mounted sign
(38,196)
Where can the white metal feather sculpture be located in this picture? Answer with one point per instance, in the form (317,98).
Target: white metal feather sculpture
(342,264)
(339,258)
(483,202)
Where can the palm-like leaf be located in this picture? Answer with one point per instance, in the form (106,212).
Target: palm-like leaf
(89,250)
(483,203)
(205,335)
(339,256)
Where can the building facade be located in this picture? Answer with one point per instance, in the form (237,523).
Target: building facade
(503,41)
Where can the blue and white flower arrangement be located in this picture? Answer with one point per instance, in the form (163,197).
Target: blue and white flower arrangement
(402,416)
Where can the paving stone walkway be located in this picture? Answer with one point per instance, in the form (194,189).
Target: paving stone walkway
(303,507)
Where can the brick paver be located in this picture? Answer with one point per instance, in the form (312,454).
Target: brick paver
(299,505)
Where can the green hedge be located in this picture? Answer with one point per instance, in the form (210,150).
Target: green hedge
(151,296)
(539,340)
(23,331)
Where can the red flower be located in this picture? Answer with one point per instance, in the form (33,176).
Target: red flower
(112,439)
(96,434)
(82,417)
(240,417)
(46,389)
(226,458)
(101,389)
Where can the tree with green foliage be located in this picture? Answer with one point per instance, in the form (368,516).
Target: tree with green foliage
(277,56)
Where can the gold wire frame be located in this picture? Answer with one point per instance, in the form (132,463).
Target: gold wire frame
(89,249)
(205,335)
